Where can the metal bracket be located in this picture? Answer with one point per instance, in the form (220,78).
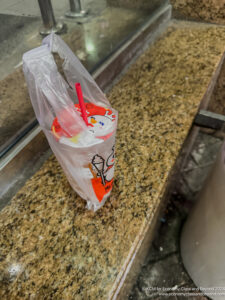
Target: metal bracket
(208,119)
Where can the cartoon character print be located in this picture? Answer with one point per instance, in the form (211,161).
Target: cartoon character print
(109,172)
(102,172)
(99,118)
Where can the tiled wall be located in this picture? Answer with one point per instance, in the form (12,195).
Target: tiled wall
(148,5)
(201,10)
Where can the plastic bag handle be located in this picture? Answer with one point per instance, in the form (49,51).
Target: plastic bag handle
(75,71)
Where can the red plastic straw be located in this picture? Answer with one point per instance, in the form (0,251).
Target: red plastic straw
(81,102)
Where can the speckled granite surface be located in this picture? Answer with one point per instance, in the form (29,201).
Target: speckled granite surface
(50,246)
(205,10)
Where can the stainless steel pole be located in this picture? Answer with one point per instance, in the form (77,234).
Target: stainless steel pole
(75,5)
(76,10)
(48,18)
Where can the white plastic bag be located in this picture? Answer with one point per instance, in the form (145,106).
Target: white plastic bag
(86,153)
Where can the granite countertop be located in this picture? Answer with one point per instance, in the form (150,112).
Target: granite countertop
(205,10)
(50,245)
